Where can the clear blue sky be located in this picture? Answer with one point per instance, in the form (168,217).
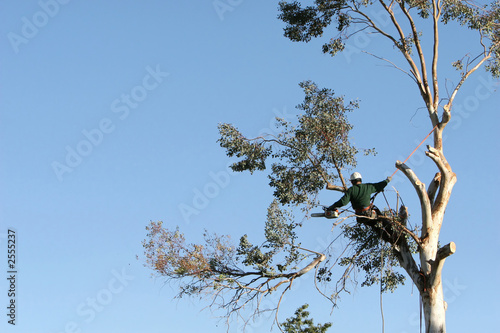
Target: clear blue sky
(108,120)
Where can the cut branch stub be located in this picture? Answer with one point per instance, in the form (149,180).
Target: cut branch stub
(446,251)
(437,265)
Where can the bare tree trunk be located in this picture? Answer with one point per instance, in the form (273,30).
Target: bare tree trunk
(428,278)
(434,308)
(432,295)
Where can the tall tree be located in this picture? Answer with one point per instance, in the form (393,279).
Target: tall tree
(314,152)
(406,19)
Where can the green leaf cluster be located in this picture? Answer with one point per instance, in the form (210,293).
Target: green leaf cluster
(371,255)
(306,154)
(280,239)
(254,153)
(301,323)
(306,22)
(485,19)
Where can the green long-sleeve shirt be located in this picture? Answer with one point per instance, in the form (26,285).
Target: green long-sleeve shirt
(359,195)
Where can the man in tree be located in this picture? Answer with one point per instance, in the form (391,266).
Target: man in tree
(359,196)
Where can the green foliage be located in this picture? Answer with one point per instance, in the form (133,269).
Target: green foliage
(301,323)
(485,19)
(168,253)
(459,65)
(334,46)
(306,23)
(216,263)
(350,16)
(369,254)
(424,7)
(315,149)
(280,238)
(254,153)
(307,155)
(253,256)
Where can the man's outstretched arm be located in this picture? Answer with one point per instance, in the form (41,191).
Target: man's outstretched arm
(381,185)
(342,201)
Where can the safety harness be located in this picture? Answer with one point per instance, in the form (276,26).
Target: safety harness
(366,210)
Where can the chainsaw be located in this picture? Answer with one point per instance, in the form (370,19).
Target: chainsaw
(329,214)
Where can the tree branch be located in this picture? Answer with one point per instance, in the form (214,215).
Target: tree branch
(447,181)
(413,66)
(269,277)
(437,264)
(310,156)
(437,156)
(406,260)
(446,251)
(335,187)
(421,57)
(403,228)
(321,257)
(425,203)
(464,77)
(411,74)
(436,13)
(433,187)
(339,171)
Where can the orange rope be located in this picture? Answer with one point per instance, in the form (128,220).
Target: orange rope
(416,148)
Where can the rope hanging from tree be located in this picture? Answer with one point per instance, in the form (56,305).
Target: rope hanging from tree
(417,147)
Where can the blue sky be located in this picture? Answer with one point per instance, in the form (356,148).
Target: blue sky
(108,120)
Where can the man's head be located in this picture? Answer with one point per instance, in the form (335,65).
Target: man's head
(356,178)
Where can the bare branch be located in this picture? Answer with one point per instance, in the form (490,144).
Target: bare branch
(411,74)
(433,187)
(405,259)
(436,11)
(423,69)
(464,77)
(339,171)
(413,66)
(335,187)
(447,181)
(425,203)
(321,257)
(438,158)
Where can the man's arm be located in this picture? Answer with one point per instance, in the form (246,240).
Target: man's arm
(342,201)
(381,185)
